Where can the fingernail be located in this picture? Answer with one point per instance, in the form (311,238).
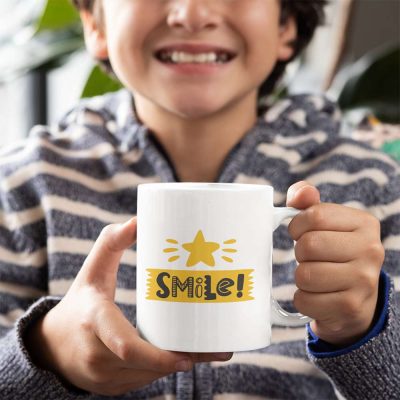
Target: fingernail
(292,191)
(290,194)
(129,221)
(183,365)
(223,356)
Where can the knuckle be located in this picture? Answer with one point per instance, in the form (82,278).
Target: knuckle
(107,231)
(123,350)
(368,279)
(86,318)
(92,362)
(372,221)
(302,276)
(298,300)
(92,314)
(376,252)
(107,235)
(97,371)
(292,230)
(299,252)
(336,327)
(85,323)
(316,215)
(308,243)
(352,306)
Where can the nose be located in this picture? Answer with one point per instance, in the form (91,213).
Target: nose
(193,15)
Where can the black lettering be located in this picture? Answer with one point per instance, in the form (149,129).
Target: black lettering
(223,285)
(208,295)
(164,292)
(187,284)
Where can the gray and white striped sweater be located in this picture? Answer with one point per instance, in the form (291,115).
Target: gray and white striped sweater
(62,185)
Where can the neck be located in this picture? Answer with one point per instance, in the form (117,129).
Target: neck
(198,147)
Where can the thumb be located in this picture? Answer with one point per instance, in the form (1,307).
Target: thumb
(302,195)
(101,265)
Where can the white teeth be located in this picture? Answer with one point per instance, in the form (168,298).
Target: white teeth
(181,57)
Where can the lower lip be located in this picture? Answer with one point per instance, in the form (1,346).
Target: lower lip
(196,69)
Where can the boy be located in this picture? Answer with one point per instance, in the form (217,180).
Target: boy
(193,72)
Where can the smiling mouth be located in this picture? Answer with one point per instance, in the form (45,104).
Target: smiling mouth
(180,57)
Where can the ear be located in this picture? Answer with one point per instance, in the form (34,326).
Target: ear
(287,36)
(95,38)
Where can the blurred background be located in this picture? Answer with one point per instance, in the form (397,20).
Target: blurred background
(354,58)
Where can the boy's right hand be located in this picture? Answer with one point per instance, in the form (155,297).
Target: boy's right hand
(87,340)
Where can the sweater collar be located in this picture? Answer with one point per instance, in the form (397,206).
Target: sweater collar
(300,124)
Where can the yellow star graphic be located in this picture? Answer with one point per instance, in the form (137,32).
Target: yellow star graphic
(200,251)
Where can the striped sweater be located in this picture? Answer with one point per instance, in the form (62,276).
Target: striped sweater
(61,186)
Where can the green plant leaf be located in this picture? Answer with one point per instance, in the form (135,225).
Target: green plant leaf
(57,14)
(99,83)
(374,83)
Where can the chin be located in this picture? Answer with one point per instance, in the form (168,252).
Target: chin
(194,113)
(195,110)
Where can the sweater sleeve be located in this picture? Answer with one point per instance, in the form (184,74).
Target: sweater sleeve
(25,268)
(370,369)
(23,282)
(19,377)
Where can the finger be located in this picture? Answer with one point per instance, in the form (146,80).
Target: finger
(124,380)
(129,376)
(331,217)
(332,308)
(323,306)
(324,277)
(101,266)
(133,378)
(209,357)
(302,195)
(339,247)
(117,333)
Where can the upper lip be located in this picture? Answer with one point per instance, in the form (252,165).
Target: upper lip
(195,48)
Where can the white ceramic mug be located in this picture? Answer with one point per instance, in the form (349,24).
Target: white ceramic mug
(204,261)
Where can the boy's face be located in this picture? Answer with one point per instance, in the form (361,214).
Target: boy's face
(134,30)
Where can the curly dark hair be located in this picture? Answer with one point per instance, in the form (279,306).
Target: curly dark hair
(308,14)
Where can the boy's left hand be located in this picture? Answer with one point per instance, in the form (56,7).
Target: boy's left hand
(340,256)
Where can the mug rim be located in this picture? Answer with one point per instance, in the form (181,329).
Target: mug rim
(206,186)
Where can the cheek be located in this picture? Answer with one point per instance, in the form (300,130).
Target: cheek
(261,54)
(126,35)
(259,28)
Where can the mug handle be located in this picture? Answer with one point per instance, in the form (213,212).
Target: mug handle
(279,315)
